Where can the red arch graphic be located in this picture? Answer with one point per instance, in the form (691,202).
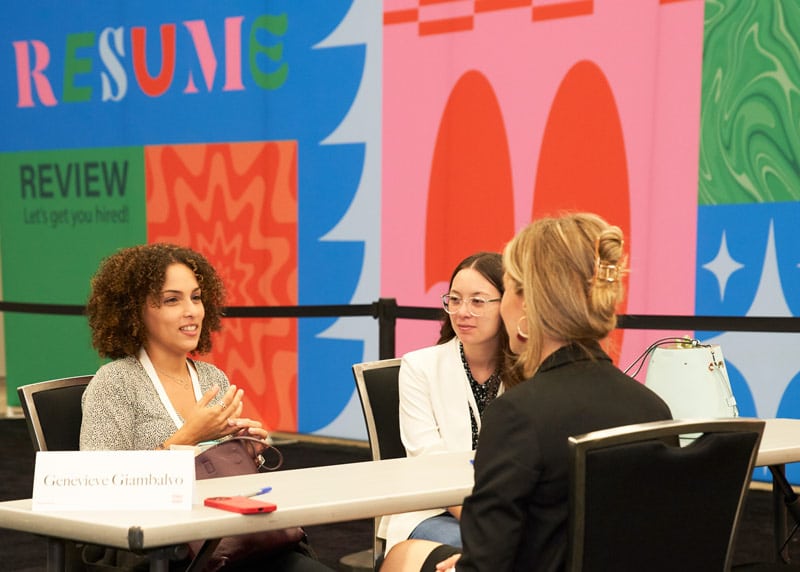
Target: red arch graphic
(582,162)
(470,196)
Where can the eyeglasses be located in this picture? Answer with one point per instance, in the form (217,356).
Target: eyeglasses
(475,305)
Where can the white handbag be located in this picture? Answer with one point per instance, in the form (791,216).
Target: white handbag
(692,379)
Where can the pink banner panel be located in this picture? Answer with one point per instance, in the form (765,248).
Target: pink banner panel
(499,110)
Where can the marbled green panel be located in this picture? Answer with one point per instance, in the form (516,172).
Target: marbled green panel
(750,114)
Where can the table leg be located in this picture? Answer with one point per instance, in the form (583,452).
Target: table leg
(784,502)
(778,519)
(55,555)
(160,558)
(202,556)
(159,564)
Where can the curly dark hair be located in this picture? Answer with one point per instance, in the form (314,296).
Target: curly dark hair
(133,276)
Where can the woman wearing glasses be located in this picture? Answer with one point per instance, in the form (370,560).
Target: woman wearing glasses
(445,388)
(563,286)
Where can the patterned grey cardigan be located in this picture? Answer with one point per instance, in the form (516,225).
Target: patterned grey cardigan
(123,411)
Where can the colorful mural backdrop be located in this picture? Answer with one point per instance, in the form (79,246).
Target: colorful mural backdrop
(239,128)
(511,110)
(748,247)
(496,112)
(237,203)
(325,152)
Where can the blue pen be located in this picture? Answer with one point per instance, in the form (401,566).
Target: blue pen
(263,491)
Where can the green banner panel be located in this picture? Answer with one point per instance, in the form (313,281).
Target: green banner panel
(749,142)
(61,212)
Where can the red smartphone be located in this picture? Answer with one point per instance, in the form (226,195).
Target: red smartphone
(242,505)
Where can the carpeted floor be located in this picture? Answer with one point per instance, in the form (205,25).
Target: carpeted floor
(22,552)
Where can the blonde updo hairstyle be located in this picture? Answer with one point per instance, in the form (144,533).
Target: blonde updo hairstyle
(568,270)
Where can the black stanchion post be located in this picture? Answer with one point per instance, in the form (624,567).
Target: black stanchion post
(385,310)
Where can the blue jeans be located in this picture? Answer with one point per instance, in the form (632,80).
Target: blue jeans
(442,528)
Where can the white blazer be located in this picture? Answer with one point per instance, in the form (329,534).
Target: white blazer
(435,400)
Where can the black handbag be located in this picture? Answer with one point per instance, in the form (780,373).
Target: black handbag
(242,456)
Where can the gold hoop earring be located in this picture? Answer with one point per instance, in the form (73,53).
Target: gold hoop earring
(522,336)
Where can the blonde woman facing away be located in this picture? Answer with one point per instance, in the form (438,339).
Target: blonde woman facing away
(562,287)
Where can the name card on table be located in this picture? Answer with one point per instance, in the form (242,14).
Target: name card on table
(113,480)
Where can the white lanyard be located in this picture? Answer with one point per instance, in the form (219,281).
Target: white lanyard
(472,404)
(159,387)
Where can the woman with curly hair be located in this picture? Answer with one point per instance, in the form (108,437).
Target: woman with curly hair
(149,307)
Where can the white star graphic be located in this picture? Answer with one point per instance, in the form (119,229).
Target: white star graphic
(768,361)
(723,266)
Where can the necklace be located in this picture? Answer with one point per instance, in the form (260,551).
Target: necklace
(180,381)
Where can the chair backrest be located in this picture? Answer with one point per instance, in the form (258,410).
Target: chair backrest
(377,385)
(640,501)
(53,412)
(376,382)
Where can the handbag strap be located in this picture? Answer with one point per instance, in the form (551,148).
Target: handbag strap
(261,462)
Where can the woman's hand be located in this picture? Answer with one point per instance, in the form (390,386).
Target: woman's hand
(248,428)
(252,428)
(448,564)
(206,422)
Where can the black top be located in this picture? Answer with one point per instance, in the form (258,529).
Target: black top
(483,393)
(516,516)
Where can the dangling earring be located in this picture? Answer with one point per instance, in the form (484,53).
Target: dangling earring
(521,336)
